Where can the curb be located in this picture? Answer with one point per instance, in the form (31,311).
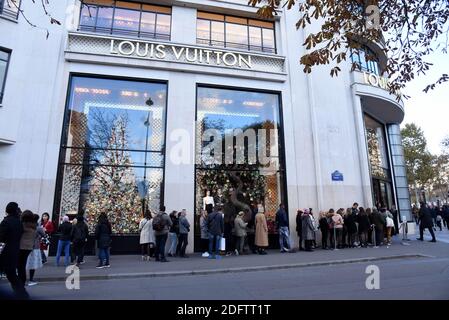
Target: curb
(232,270)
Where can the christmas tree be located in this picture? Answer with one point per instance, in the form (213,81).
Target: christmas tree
(113,188)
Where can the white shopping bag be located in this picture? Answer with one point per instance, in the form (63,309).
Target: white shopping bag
(223,244)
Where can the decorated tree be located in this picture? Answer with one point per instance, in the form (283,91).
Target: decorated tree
(113,187)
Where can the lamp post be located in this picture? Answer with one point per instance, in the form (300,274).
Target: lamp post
(149,103)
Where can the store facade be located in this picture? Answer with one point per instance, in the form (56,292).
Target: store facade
(140,104)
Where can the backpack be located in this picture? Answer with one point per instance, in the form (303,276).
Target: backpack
(158,223)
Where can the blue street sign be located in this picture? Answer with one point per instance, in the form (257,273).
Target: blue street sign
(337,176)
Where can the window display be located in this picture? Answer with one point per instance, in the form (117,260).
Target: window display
(112,154)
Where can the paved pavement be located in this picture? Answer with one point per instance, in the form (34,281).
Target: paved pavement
(421,264)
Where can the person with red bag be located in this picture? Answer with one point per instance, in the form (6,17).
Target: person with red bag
(49,228)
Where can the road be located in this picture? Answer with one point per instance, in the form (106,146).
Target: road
(411,278)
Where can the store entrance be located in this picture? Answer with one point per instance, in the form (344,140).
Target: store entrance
(382,194)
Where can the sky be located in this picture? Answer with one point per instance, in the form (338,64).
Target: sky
(430,110)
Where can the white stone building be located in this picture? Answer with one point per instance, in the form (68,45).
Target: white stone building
(77,134)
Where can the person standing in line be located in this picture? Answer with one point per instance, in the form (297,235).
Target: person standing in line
(308,230)
(103,232)
(283,227)
(251,228)
(26,243)
(261,240)
(204,236)
(389,223)
(299,214)
(173,234)
(65,231)
(425,218)
(72,254)
(364,226)
(351,226)
(324,228)
(337,223)
(379,226)
(396,219)
(370,230)
(240,232)
(439,219)
(215,229)
(79,235)
(34,261)
(145,233)
(184,228)
(11,230)
(49,228)
(161,226)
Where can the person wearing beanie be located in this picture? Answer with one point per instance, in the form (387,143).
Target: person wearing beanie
(11,231)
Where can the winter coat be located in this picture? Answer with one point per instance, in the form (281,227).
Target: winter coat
(299,224)
(337,221)
(425,217)
(240,227)
(65,229)
(40,233)
(364,223)
(281,218)
(350,223)
(203,227)
(175,225)
(377,220)
(145,227)
(308,227)
(103,234)
(215,223)
(166,222)
(11,230)
(80,231)
(184,225)
(261,231)
(49,229)
(28,236)
(324,225)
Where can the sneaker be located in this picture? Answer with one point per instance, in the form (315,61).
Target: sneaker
(433,240)
(205,254)
(144,258)
(107,265)
(82,262)
(31,283)
(100,266)
(236,252)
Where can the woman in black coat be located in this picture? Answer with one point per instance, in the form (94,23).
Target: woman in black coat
(364,226)
(103,233)
(299,227)
(351,227)
(324,227)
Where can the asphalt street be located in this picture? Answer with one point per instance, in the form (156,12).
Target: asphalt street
(412,278)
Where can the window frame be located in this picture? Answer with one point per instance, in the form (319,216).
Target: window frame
(123,32)
(5,77)
(249,46)
(372,66)
(9,13)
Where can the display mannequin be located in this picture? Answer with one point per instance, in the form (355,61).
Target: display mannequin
(208,202)
(219,199)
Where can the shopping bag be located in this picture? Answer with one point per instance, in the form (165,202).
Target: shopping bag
(223,244)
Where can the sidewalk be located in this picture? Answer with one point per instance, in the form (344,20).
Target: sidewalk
(131,266)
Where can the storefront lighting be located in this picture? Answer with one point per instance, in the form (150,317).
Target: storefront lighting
(129,93)
(253,103)
(92,90)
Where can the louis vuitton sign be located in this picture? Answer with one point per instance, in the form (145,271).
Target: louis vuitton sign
(158,51)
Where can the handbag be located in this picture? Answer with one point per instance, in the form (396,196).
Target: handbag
(223,244)
(45,240)
(390,222)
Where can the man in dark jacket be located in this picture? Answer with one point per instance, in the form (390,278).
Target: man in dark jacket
(11,230)
(184,228)
(284,233)
(425,218)
(79,235)
(379,225)
(65,231)
(161,226)
(215,230)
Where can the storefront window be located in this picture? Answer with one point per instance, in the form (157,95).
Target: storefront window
(125,18)
(239,176)
(379,164)
(112,155)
